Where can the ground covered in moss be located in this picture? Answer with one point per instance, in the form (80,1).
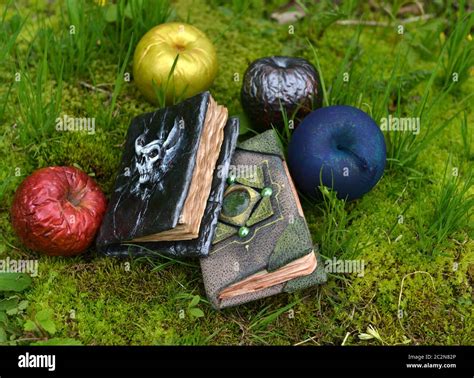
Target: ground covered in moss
(417,286)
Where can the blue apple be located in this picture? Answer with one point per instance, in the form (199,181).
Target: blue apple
(339,146)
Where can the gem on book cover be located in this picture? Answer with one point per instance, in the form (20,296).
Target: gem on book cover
(243,232)
(231,179)
(266,192)
(238,203)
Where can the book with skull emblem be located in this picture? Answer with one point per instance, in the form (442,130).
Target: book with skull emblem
(262,244)
(169,187)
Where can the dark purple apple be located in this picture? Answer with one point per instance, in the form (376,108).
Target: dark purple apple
(57,211)
(268,82)
(342,146)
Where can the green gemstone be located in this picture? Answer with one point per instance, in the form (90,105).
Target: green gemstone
(266,192)
(231,179)
(235,203)
(243,232)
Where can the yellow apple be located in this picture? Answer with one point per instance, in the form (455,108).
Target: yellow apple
(156,52)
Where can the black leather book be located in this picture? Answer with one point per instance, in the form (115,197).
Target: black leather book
(169,187)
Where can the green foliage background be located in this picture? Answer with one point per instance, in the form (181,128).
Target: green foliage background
(417,287)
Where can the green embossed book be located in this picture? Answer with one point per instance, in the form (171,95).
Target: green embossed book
(262,245)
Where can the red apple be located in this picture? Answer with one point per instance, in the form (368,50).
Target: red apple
(58,210)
